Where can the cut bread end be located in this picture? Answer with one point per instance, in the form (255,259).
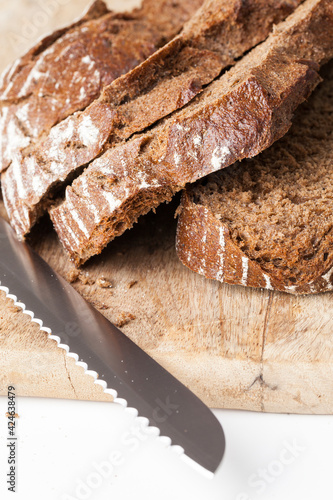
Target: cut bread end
(267,222)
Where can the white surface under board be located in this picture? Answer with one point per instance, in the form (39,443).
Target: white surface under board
(73,450)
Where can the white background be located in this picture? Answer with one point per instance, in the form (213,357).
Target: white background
(62,445)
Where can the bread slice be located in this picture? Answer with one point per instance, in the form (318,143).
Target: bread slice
(237,116)
(268,222)
(67,70)
(218,34)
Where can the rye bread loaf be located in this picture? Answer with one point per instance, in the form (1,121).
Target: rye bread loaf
(268,222)
(218,34)
(237,116)
(67,70)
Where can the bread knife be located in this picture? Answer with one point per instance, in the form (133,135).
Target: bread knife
(123,369)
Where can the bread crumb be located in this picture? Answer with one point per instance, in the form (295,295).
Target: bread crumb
(124,318)
(104,282)
(15,415)
(101,306)
(86,279)
(72,275)
(132,283)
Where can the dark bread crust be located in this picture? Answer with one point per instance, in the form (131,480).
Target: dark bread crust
(267,222)
(237,116)
(16,132)
(204,245)
(13,71)
(218,34)
(26,112)
(67,70)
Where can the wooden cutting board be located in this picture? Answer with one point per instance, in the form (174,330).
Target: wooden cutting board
(234,347)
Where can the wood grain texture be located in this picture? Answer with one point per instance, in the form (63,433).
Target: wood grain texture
(234,347)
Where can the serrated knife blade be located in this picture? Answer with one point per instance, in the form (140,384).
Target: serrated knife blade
(124,369)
